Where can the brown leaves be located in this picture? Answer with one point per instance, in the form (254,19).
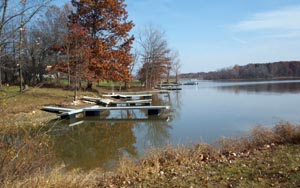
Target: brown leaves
(107,28)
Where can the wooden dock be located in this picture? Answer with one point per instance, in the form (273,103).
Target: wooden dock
(56,110)
(97,100)
(111,102)
(128,96)
(96,110)
(168,87)
(155,91)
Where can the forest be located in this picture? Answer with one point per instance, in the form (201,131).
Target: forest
(276,70)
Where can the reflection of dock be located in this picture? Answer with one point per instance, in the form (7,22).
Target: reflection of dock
(96,110)
(117,120)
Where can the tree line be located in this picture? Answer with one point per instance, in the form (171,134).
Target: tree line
(84,40)
(282,69)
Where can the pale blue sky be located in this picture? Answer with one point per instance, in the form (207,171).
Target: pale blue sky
(214,34)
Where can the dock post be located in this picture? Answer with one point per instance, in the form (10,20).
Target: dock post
(146,97)
(92,113)
(153,111)
(72,116)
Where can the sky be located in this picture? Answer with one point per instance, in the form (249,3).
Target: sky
(215,34)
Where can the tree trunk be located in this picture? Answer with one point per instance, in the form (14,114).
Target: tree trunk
(89,85)
(168,76)
(21,77)
(34,70)
(0,78)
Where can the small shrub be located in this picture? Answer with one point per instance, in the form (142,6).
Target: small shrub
(22,154)
(261,136)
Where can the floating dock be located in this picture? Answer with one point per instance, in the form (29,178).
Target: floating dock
(127,96)
(96,110)
(111,102)
(168,87)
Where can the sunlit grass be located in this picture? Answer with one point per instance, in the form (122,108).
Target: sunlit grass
(24,108)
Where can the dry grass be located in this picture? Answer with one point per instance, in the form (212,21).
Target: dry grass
(23,109)
(22,153)
(24,148)
(267,158)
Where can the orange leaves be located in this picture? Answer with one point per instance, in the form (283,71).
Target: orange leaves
(105,25)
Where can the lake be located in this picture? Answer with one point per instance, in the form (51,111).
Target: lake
(199,113)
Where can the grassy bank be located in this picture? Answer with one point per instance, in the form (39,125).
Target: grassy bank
(267,158)
(23,109)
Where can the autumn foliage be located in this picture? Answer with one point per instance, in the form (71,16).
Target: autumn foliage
(78,51)
(106,39)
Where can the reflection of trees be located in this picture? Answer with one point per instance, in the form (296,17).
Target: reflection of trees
(100,143)
(172,99)
(163,100)
(156,133)
(264,88)
(94,144)
(176,103)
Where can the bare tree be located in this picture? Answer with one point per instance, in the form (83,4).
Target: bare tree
(50,33)
(154,55)
(15,15)
(3,15)
(176,64)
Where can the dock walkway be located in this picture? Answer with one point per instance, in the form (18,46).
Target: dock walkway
(96,110)
(111,102)
(128,96)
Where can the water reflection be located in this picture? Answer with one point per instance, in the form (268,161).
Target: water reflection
(276,88)
(100,142)
(94,144)
(153,134)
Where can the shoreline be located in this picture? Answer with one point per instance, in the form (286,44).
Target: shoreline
(248,80)
(267,158)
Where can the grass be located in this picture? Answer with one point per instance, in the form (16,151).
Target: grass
(267,158)
(109,84)
(117,84)
(23,109)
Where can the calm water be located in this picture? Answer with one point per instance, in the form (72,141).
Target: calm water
(204,112)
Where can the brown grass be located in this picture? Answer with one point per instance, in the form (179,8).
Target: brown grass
(22,153)
(24,109)
(252,161)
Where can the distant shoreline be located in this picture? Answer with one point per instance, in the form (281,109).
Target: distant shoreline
(260,79)
(248,80)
